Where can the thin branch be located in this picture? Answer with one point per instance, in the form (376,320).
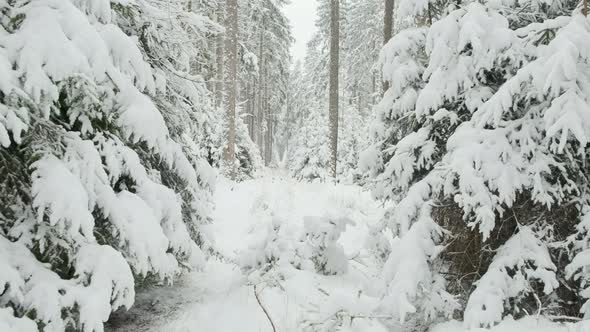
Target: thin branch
(274,329)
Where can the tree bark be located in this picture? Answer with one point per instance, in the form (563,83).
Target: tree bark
(585,8)
(232,71)
(220,77)
(268,118)
(387,30)
(250,109)
(260,113)
(334,88)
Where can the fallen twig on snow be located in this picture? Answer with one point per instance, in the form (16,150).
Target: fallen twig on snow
(264,309)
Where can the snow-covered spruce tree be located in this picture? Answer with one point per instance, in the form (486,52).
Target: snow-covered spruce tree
(209,62)
(279,250)
(265,40)
(481,147)
(309,157)
(291,119)
(102,182)
(308,161)
(172,45)
(363,39)
(248,160)
(322,235)
(353,137)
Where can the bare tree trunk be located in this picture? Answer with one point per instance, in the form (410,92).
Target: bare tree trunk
(232,82)
(271,133)
(267,117)
(585,8)
(260,114)
(359,101)
(374,88)
(250,109)
(219,60)
(387,30)
(334,67)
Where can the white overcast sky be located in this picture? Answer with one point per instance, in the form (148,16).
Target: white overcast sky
(301,13)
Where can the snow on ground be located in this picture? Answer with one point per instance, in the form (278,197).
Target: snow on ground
(528,324)
(221,298)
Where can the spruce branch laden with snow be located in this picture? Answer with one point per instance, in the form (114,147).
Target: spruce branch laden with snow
(100,195)
(484,122)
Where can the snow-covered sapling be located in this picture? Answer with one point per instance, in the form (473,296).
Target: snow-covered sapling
(322,234)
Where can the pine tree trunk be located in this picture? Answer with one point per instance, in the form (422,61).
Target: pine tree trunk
(220,77)
(267,117)
(260,115)
(334,67)
(374,88)
(387,30)
(585,8)
(232,71)
(359,101)
(250,110)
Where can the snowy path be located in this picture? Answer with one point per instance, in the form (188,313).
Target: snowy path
(220,299)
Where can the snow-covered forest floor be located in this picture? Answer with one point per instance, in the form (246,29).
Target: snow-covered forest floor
(222,298)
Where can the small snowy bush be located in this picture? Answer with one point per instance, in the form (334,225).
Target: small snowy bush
(275,252)
(279,248)
(321,238)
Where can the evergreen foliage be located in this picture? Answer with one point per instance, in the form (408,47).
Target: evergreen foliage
(479,147)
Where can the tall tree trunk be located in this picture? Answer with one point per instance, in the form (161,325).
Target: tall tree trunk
(374,88)
(271,133)
(260,114)
(334,67)
(585,8)
(232,82)
(250,110)
(220,73)
(387,30)
(266,114)
(251,99)
(268,140)
(359,101)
